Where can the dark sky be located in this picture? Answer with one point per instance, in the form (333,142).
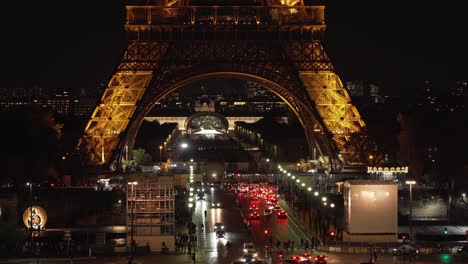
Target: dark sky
(74,44)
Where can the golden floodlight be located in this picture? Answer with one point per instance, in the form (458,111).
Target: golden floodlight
(35,217)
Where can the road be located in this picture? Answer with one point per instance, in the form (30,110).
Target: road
(212,250)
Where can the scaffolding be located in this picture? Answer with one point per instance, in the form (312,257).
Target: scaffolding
(150,208)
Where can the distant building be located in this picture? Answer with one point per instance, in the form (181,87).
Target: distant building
(61,102)
(84,106)
(355,88)
(460,89)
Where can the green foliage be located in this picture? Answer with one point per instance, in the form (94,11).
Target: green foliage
(30,145)
(142,158)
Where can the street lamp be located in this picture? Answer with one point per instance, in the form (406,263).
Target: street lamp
(29,184)
(411,182)
(132,209)
(160,152)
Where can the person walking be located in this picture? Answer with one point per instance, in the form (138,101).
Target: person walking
(375,256)
(189,247)
(302,242)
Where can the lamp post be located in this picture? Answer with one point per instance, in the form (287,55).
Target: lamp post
(29,184)
(160,152)
(411,182)
(132,216)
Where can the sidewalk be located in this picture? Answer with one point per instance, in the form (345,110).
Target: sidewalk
(294,216)
(45,260)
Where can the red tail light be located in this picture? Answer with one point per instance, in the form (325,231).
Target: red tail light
(316,258)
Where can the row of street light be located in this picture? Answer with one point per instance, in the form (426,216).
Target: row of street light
(191,202)
(332,205)
(304,185)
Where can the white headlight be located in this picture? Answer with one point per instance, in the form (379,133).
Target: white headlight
(212,204)
(218,204)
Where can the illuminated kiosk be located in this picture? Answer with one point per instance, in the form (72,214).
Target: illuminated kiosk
(371,211)
(35,218)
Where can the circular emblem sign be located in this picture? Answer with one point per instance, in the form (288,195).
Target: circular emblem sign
(35,217)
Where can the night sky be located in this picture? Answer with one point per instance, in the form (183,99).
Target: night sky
(75,44)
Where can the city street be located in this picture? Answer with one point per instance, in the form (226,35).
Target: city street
(212,250)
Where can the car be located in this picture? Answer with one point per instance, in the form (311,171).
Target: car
(295,259)
(462,250)
(253,207)
(216,205)
(249,247)
(320,259)
(282,214)
(254,215)
(218,226)
(119,242)
(405,249)
(305,256)
(267,211)
(249,258)
(276,208)
(220,234)
(201,196)
(289,261)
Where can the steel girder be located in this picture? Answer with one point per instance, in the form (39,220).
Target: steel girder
(265,63)
(298,72)
(112,114)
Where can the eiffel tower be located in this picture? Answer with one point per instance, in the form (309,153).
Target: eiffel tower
(275,43)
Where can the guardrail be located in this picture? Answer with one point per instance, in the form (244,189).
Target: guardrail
(225,15)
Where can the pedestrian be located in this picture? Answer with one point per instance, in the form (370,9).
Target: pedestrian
(302,242)
(148,248)
(292,246)
(375,256)
(189,246)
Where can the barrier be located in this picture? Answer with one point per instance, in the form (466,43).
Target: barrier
(361,250)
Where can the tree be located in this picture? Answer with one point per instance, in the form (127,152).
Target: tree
(364,148)
(30,145)
(142,158)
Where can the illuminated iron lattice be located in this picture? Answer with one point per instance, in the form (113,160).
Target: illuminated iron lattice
(171,44)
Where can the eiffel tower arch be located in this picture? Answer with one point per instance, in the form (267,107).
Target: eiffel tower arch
(172,43)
